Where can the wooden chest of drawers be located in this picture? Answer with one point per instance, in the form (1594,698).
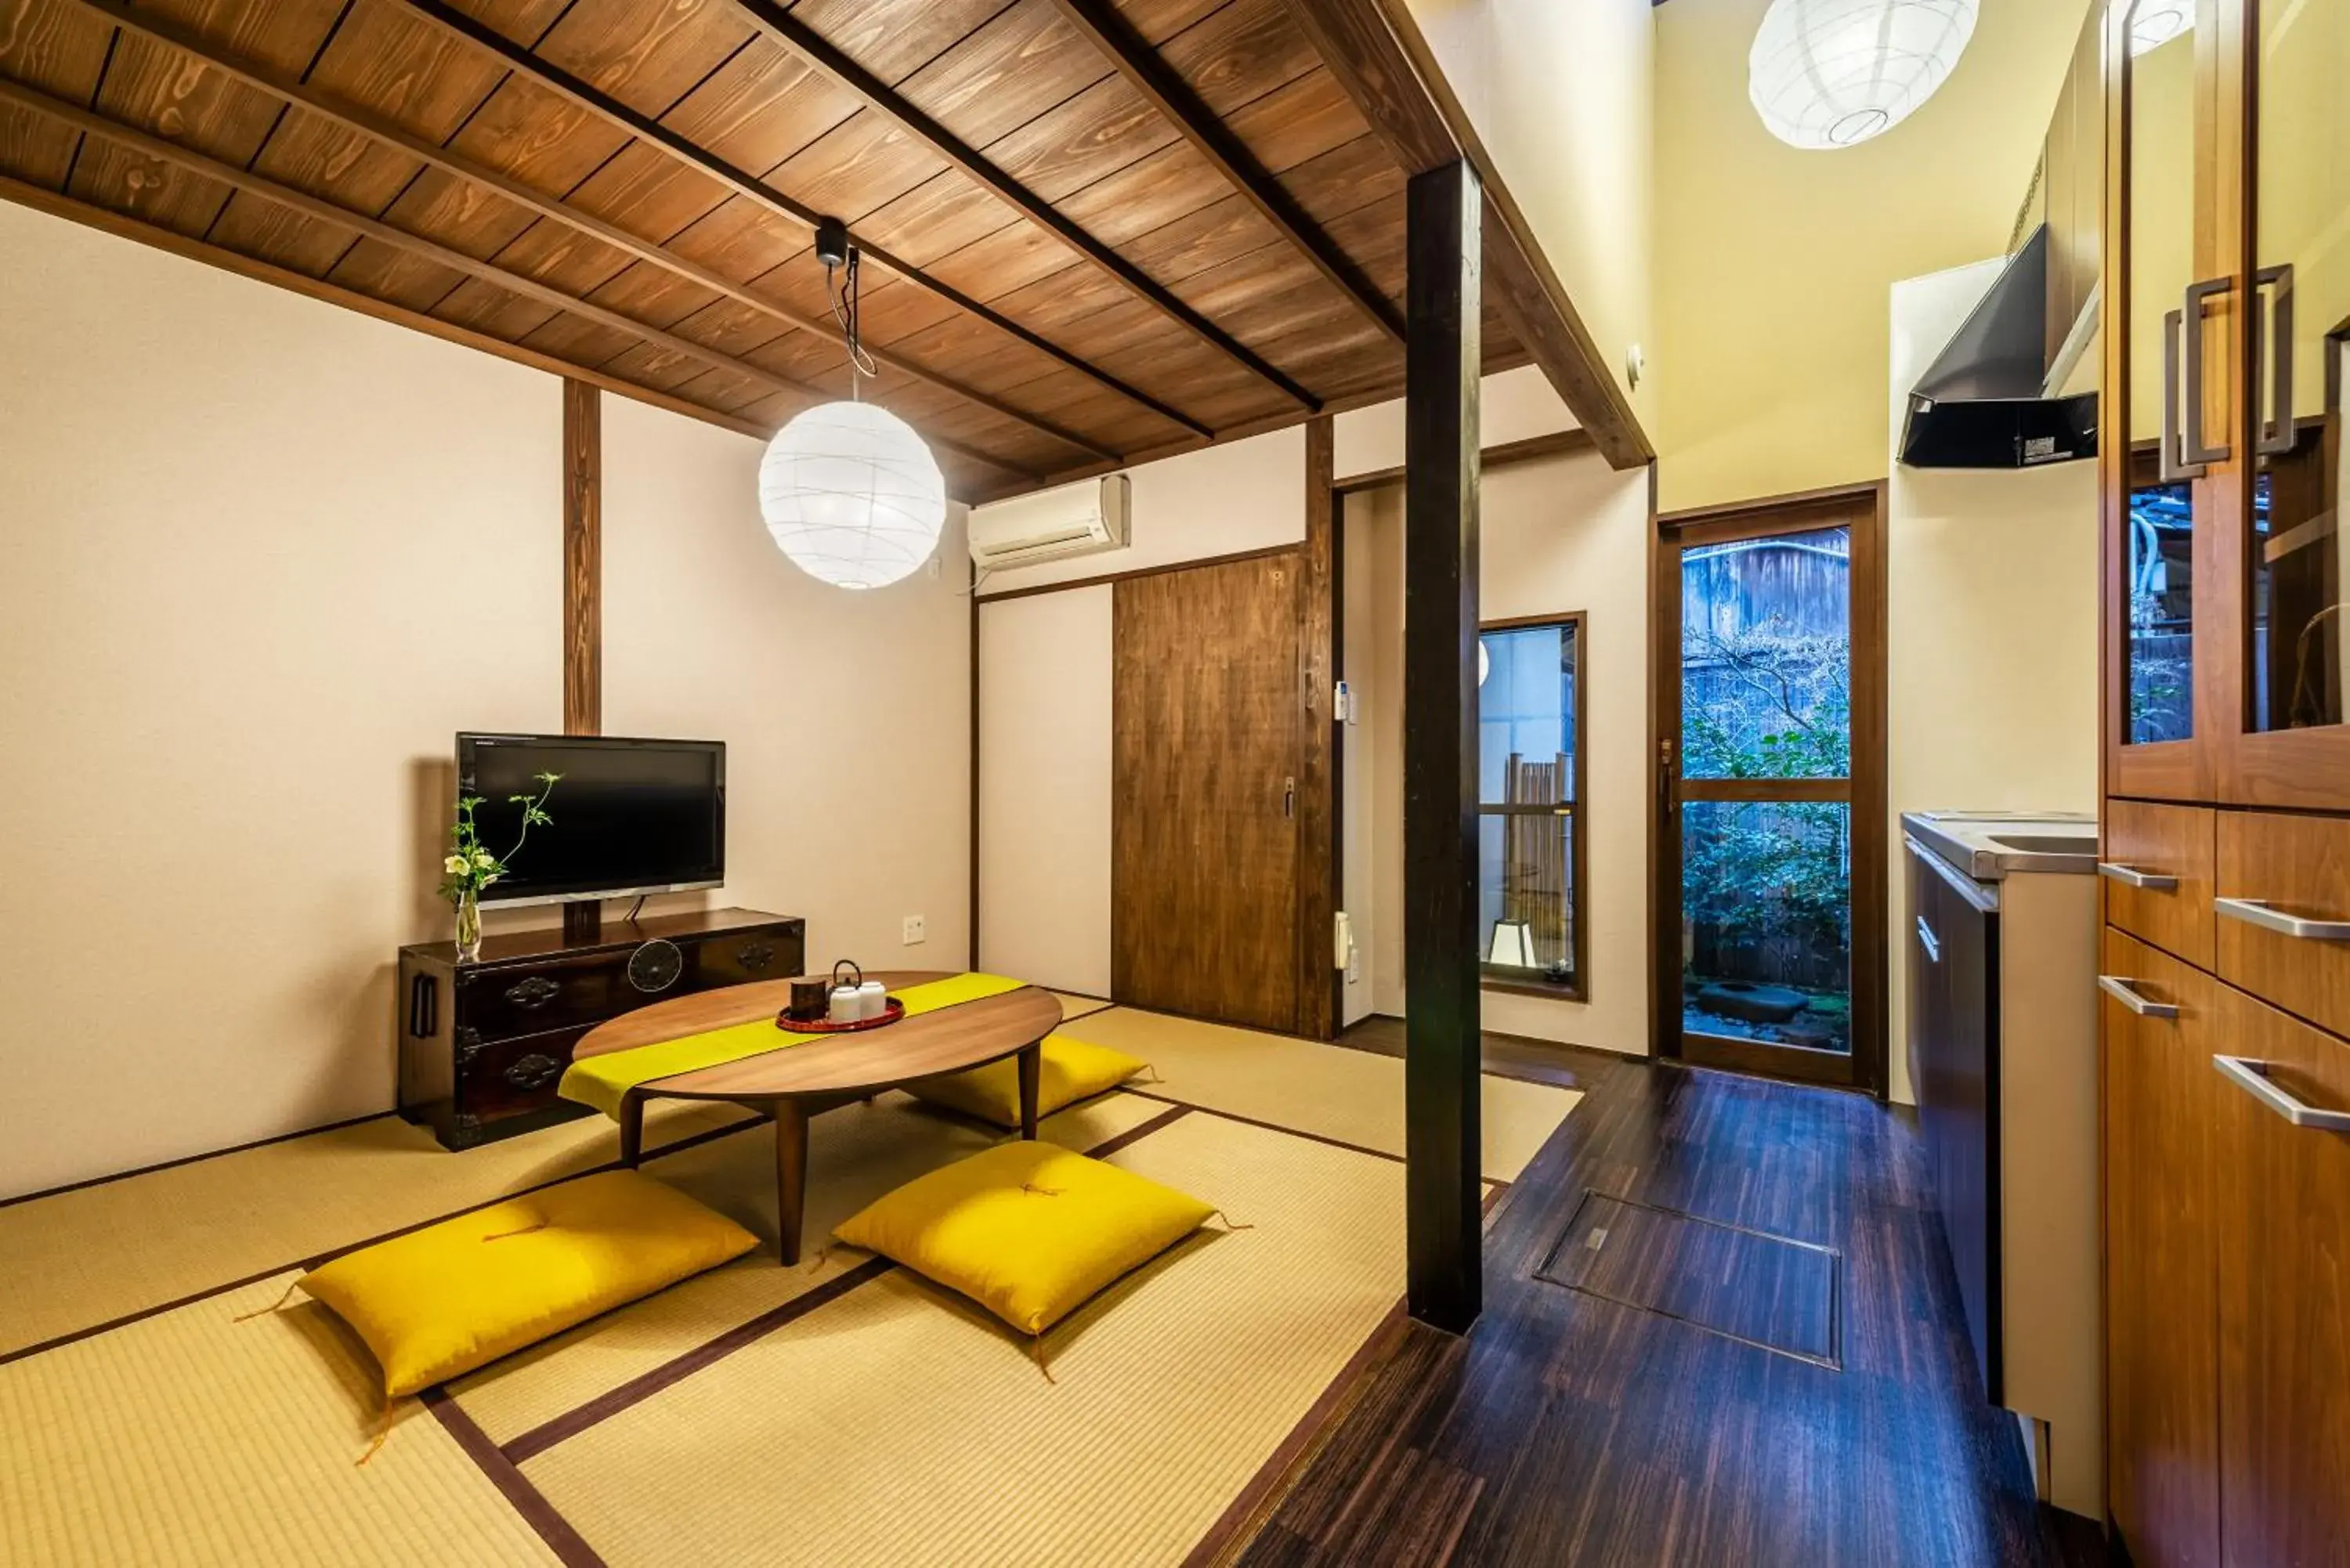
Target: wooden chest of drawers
(484,1044)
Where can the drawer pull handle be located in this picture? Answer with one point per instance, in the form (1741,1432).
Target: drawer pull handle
(2131,877)
(757,956)
(534,1071)
(2126,992)
(532,993)
(2256,912)
(1926,937)
(2253,1077)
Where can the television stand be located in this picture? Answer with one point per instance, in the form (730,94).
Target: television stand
(484,1044)
(583,920)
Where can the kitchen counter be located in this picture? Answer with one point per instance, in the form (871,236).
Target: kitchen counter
(1988,845)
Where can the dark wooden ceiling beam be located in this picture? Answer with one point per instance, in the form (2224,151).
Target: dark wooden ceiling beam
(1166,90)
(106,220)
(290,88)
(789,31)
(564,85)
(326,211)
(1378,55)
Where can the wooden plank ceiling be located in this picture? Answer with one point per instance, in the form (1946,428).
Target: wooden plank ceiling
(1096,230)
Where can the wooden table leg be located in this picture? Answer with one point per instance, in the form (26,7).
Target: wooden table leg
(791,1175)
(632,1130)
(1032,1070)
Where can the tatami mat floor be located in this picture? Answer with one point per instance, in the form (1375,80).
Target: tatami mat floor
(839,1412)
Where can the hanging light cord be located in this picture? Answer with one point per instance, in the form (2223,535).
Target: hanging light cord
(845,310)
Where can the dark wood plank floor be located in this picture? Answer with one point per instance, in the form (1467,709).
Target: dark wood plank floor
(1572,1429)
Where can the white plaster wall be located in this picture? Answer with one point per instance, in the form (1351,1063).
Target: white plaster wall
(1044,789)
(709,631)
(260,559)
(1560,534)
(1991,621)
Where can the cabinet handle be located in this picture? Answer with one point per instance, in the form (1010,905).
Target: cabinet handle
(532,993)
(534,1071)
(2256,912)
(2126,992)
(2131,877)
(2277,435)
(1926,936)
(2192,449)
(2168,467)
(2254,1078)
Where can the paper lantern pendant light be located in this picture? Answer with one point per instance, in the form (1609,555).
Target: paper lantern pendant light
(1824,74)
(852,496)
(848,491)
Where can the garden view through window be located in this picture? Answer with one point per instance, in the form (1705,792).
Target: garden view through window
(1766,863)
(1528,739)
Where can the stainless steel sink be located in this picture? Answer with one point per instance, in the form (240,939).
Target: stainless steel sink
(1988,845)
(2045,843)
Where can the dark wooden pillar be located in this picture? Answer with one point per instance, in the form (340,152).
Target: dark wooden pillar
(1317,770)
(583,592)
(1442,1120)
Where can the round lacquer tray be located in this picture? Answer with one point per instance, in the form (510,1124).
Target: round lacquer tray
(890,1014)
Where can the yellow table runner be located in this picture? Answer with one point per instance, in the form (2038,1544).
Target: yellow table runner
(604,1081)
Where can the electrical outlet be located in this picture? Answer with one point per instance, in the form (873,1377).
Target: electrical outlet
(913,929)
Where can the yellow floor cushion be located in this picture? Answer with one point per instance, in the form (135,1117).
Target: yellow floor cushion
(1029,1231)
(1069,1071)
(442,1301)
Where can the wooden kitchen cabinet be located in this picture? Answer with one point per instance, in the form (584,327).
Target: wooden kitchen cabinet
(2226,624)
(2284,1291)
(2163,1107)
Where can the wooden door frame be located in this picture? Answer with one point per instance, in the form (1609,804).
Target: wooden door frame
(1863,506)
(1579,819)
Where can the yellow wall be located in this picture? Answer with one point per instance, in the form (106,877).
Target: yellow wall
(1772,266)
(1561,95)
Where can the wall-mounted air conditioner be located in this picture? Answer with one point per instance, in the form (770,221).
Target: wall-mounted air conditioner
(1052,525)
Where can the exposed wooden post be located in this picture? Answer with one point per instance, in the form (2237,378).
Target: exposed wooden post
(1317,772)
(1442,1132)
(583,592)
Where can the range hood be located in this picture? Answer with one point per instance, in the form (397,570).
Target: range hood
(1986,402)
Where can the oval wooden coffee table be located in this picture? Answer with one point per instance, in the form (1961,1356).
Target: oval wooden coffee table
(797,1082)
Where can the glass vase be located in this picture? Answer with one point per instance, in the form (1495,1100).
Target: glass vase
(469,927)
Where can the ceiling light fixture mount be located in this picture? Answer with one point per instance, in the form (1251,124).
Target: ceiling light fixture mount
(1826,74)
(850,492)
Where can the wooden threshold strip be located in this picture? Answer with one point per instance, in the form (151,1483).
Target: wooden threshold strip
(292,89)
(570,1548)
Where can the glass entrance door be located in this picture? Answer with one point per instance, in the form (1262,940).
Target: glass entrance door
(1771,832)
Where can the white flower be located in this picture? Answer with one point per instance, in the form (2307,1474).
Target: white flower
(484,859)
(487,880)
(455,865)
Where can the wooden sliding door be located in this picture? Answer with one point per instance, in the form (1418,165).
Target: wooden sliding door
(1208,749)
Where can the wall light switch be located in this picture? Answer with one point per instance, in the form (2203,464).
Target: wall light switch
(913,929)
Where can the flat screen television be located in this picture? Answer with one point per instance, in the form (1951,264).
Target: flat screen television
(630,815)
